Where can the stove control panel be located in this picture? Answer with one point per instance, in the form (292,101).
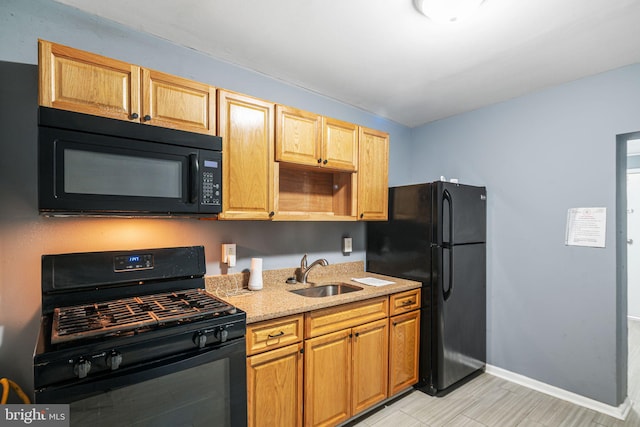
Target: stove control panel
(218,334)
(133,262)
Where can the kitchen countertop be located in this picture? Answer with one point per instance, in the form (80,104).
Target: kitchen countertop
(274,299)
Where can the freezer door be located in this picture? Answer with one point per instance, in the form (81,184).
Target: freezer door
(460,313)
(461,213)
(401,246)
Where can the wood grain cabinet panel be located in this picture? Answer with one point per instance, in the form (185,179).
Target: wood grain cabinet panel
(370,362)
(246,127)
(308,139)
(373,175)
(404,347)
(327,379)
(272,334)
(332,319)
(339,145)
(274,383)
(74,80)
(298,136)
(403,302)
(178,103)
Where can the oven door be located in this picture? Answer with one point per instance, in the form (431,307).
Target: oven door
(205,388)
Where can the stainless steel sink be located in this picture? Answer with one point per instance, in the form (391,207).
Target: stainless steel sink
(327,290)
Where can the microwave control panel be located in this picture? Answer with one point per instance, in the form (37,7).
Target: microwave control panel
(211,183)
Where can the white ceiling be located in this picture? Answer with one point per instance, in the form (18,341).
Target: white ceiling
(384,57)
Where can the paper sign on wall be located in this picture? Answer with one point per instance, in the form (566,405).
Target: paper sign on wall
(586,227)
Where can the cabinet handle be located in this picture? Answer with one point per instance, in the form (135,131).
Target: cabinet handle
(279,334)
(302,351)
(319,160)
(408,302)
(134,116)
(272,213)
(357,334)
(395,324)
(362,215)
(146,118)
(325,161)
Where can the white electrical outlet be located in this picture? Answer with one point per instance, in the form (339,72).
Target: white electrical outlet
(347,245)
(229,254)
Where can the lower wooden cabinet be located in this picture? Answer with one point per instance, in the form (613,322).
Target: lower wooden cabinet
(327,380)
(274,382)
(353,357)
(404,347)
(345,373)
(370,361)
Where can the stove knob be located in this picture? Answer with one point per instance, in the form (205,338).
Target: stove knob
(221,334)
(82,368)
(114,359)
(200,339)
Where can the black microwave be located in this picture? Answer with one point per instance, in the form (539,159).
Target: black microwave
(90,165)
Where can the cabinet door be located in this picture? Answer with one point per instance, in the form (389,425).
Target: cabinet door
(298,136)
(274,387)
(74,80)
(327,379)
(373,175)
(178,103)
(246,127)
(339,145)
(404,345)
(370,365)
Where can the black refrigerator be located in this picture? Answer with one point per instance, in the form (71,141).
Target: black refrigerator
(436,234)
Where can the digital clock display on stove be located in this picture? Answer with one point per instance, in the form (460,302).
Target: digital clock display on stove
(133,262)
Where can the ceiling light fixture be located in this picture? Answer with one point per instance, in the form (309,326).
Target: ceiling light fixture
(446,10)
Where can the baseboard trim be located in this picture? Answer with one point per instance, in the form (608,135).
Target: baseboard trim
(619,412)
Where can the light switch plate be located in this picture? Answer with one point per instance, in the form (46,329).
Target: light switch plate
(229,254)
(347,245)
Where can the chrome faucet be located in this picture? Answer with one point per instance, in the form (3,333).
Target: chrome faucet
(303,271)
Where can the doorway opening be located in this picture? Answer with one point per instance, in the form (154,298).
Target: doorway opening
(628,265)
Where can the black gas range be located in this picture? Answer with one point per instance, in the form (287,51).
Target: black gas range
(133,337)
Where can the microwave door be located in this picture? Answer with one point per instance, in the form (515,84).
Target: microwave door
(99,174)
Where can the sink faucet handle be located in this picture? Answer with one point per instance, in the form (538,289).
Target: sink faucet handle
(303,262)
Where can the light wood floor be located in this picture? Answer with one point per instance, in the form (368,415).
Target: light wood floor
(488,401)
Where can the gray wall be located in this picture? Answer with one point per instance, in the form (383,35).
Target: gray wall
(24,236)
(552,310)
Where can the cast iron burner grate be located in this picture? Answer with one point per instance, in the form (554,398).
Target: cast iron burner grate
(110,317)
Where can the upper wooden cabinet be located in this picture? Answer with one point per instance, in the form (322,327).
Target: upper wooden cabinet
(84,82)
(308,139)
(339,144)
(246,127)
(178,103)
(298,136)
(373,175)
(75,80)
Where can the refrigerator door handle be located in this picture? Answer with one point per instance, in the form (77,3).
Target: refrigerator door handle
(446,293)
(446,197)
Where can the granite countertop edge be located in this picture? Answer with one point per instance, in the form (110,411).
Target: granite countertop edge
(274,300)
